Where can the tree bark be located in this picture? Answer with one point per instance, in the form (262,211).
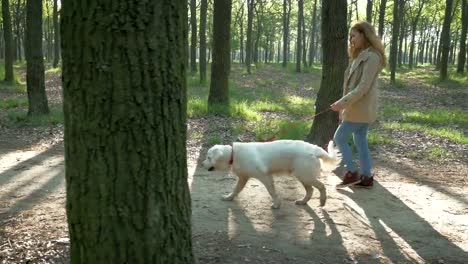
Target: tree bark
(203,12)
(300,4)
(394,44)
(414,24)
(369,11)
(445,40)
(8,37)
(383,6)
(35,61)
(462,51)
(221,65)
(286,16)
(193,38)
(312,39)
(128,199)
(335,60)
(248,51)
(400,45)
(56,36)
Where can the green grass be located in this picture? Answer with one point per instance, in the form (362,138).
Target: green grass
(21,118)
(438,117)
(283,129)
(57,70)
(456,135)
(13,103)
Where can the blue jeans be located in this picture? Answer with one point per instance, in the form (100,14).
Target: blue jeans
(359,131)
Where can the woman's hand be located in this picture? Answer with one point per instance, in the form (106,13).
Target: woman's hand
(336,106)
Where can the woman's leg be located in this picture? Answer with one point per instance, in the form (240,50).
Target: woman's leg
(361,142)
(341,140)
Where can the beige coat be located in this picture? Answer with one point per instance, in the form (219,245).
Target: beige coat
(360,93)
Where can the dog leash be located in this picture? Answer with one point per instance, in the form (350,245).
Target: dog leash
(283,131)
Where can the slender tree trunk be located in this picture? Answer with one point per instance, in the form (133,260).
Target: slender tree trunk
(128,199)
(335,60)
(431,51)
(438,48)
(400,45)
(34,60)
(221,65)
(19,16)
(56,36)
(300,4)
(312,38)
(203,11)
(248,51)
(193,38)
(242,60)
(414,25)
(462,51)
(369,11)
(7,34)
(445,40)
(394,44)
(304,42)
(286,15)
(383,6)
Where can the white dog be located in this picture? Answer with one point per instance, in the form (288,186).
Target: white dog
(262,160)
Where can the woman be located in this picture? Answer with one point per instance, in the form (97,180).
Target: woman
(358,106)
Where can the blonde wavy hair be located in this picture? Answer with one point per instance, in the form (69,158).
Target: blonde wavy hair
(371,40)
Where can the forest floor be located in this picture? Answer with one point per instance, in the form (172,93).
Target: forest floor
(417,211)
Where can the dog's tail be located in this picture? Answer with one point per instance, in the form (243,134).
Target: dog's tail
(329,160)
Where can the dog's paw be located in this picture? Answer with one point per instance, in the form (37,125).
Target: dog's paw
(301,202)
(228,197)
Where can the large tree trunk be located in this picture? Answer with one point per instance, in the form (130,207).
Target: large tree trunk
(383,6)
(312,38)
(248,48)
(34,60)
(128,199)
(445,40)
(286,16)
(462,51)
(221,65)
(300,4)
(369,11)
(335,60)
(8,36)
(193,38)
(203,11)
(56,36)
(398,6)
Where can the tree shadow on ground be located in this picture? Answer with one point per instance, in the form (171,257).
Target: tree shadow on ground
(403,226)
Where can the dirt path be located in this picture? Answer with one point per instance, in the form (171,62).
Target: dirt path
(416,213)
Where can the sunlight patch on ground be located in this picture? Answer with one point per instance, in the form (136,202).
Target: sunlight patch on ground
(13,158)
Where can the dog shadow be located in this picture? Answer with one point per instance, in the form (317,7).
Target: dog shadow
(248,230)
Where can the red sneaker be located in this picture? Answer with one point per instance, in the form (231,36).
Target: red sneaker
(350,178)
(366,182)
